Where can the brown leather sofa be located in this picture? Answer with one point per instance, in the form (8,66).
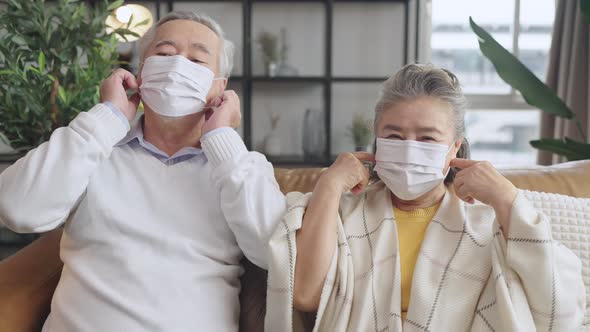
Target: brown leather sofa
(28,279)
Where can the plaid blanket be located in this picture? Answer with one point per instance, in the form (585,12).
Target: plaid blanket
(468,277)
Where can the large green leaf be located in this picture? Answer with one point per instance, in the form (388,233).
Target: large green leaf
(571,149)
(585,8)
(511,70)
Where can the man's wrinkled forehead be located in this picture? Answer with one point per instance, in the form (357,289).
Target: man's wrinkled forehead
(196,45)
(200,36)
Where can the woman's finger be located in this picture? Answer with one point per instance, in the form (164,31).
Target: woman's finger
(464,193)
(463,163)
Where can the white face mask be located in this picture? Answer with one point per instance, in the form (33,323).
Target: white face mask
(410,168)
(174,86)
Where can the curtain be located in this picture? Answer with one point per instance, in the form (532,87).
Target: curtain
(568,74)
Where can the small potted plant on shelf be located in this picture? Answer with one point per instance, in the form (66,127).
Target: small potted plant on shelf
(361,132)
(269,46)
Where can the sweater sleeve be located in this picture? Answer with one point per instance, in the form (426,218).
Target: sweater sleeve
(38,192)
(251,200)
(550,273)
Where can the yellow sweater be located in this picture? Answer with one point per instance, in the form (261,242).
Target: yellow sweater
(411,227)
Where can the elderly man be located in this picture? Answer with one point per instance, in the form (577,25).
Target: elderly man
(156,218)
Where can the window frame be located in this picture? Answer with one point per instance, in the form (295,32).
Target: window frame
(507,101)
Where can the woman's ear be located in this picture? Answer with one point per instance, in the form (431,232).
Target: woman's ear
(457,146)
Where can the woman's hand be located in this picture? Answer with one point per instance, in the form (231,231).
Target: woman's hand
(318,237)
(348,173)
(480,180)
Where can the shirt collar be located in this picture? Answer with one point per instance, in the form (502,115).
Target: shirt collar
(136,135)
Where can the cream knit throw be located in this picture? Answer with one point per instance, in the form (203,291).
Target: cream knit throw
(467,277)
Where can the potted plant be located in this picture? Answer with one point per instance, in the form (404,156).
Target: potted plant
(52,61)
(535,92)
(269,46)
(361,132)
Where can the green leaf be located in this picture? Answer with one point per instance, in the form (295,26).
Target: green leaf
(15,4)
(41,61)
(18,40)
(568,148)
(130,21)
(513,72)
(115,5)
(4,139)
(126,32)
(585,9)
(579,147)
(144,22)
(33,69)
(62,94)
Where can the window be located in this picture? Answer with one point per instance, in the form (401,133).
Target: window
(499,123)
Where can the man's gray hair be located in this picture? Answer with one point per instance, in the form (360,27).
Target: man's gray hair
(226,54)
(425,80)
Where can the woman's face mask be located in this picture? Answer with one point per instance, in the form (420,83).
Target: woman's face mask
(409,168)
(174,86)
(417,141)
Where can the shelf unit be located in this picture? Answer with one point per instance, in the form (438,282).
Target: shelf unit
(247,78)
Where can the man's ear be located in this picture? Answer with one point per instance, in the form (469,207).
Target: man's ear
(219,86)
(223,82)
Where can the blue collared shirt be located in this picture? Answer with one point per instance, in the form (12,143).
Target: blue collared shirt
(135,138)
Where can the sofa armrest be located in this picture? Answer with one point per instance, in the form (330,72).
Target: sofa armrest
(27,282)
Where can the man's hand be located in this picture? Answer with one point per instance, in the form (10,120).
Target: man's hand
(348,173)
(114,90)
(227,113)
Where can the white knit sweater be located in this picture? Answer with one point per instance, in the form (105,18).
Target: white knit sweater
(146,246)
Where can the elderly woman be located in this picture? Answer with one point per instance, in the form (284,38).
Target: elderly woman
(440,243)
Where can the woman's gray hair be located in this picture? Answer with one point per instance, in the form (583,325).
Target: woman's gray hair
(425,80)
(226,55)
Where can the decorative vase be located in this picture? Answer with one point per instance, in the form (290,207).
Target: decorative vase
(314,135)
(272,143)
(271,69)
(284,68)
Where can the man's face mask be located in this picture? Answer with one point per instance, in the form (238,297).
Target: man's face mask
(175,86)
(410,168)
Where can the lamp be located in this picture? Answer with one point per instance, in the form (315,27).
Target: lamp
(135,18)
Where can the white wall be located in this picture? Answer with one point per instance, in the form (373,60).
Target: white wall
(305,26)
(368,39)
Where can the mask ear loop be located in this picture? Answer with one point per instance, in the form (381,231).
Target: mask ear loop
(450,148)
